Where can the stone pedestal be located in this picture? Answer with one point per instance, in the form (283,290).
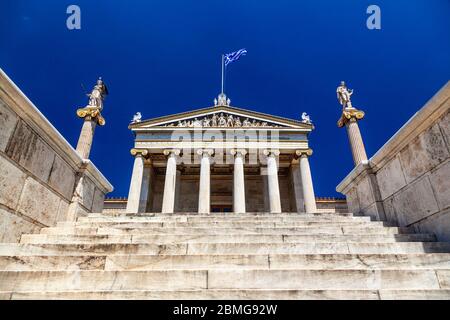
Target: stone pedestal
(239,181)
(307,184)
(204,195)
(170,182)
(272,177)
(140,182)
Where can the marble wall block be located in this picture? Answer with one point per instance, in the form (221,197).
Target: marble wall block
(62,178)
(390,178)
(13,226)
(439,224)
(8,121)
(12,180)
(415,202)
(39,203)
(31,152)
(423,153)
(440,181)
(98,200)
(365,193)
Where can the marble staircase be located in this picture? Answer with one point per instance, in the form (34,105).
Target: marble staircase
(225,256)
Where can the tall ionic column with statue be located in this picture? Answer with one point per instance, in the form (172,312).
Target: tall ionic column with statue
(349,118)
(92,116)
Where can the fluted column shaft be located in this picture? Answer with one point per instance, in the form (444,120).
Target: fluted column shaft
(204,202)
(170,182)
(356,141)
(272,176)
(307,184)
(297,186)
(86,136)
(139,185)
(178,204)
(238,181)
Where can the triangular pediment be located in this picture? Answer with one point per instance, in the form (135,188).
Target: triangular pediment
(221,117)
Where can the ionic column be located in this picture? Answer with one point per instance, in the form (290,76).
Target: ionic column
(265,191)
(205,181)
(349,118)
(297,186)
(170,182)
(178,191)
(307,184)
(238,180)
(91,117)
(272,177)
(356,142)
(140,182)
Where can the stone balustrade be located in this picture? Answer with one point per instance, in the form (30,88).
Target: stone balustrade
(408,180)
(42,178)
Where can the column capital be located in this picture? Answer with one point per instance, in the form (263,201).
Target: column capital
(139,152)
(303,153)
(91,113)
(271,152)
(236,152)
(350,115)
(175,152)
(207,152)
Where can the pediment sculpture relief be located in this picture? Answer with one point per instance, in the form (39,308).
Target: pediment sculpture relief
(221,120)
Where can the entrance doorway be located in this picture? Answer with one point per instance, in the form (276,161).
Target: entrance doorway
(221,208)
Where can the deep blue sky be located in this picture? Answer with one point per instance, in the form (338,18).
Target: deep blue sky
(162,57)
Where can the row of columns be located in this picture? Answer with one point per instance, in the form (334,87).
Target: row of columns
(301,173)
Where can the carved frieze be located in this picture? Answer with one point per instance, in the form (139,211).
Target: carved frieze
(222,120)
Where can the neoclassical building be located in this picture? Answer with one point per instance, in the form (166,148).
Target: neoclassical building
(221,159)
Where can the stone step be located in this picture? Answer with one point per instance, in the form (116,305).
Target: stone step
(219,219)
(89,249)
(307,262)
(362,230)
(318,248)
(223,248)
(144,228)
(210,262)
(257,230)
(226,215)
(225,224)
(223,238)
(225,279)
(230,294)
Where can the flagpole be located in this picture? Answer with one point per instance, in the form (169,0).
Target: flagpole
(222,73)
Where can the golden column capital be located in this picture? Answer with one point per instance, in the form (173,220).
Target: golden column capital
(208,152)
(270,152)
(350,115)
(91,113)
(175,152)
(235,152)
(139,152)
(303,153)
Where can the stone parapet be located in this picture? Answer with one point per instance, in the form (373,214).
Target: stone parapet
(41,175)
(408,180)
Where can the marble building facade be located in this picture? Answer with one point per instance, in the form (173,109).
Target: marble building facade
(221,159)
